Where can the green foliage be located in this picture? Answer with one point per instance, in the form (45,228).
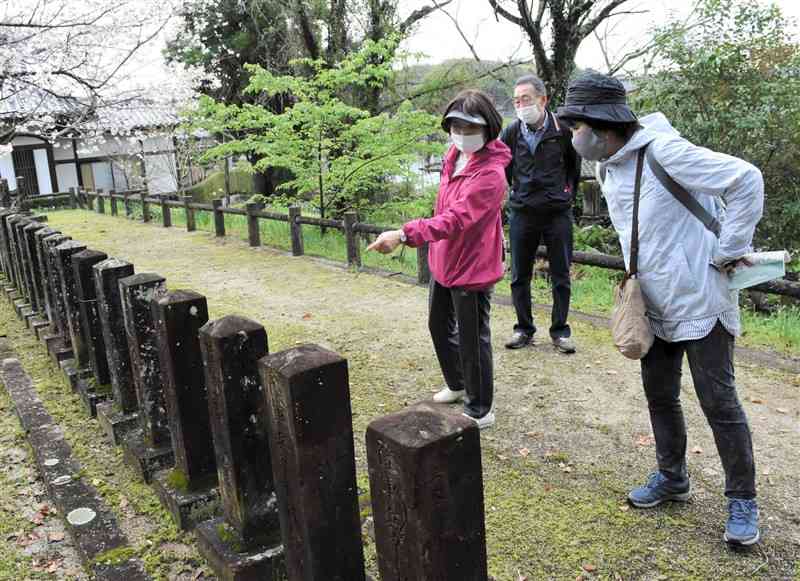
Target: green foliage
(730,83)
(214,186)
(332,148)
(595,238)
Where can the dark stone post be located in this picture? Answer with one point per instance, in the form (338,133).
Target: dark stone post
(426,485)
(4,257)
(101,201)
(191,224)
(190,487)
(253,233)
(89,200)
(313,463)
(83,273)
(148,448)
(121,417)
(43,252)
(219,218)
(60,346)
(353,249)
(31,263)
(423,269)
(296,230)
(23,282)
(126,202)
(166,212)
(73,199)
(237,544)
(5,194)
(69,295)
(112,198)
(145,208)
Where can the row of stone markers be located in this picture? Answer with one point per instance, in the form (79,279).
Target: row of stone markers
(253,450)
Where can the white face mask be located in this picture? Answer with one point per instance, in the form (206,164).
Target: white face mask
(467,143)
(530,114)
(589,144)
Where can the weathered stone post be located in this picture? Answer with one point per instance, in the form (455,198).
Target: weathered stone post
(245,543)
(253,233)
(166,212)
(91,331)
(45,240)
(145,208)
(189,489)
(313,462)
(23,282)
(219,218)
(69,295)
(101,201)
(89,200)
(126,202)
(119,417)
(39,270)
(59,346)
(5,194)
(112,199)
(31,264)
(353,248)
(191,224)
(423,269)
(5,213)
(296,230)
(73,199)
(426,485)
(148,448)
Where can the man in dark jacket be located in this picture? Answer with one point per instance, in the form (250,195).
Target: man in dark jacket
(543,175)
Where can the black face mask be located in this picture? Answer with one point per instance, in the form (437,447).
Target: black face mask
(589,144)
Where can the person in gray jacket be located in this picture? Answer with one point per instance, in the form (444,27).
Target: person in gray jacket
(683,271)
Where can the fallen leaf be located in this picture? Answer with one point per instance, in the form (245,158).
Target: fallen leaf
(645,440)
(756,400)
(611,372)
(533,434)
(589,568)
(501,457)
(624,507)
(55,537)
(521,577)
(697,450)
(782,411)
(524,452)
(306,316)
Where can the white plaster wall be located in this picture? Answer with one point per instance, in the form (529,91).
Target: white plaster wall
(160,174)
(7,170)
(67,176)
(158,143)
(62,149)
(42,171)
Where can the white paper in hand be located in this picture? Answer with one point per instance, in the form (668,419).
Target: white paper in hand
(765,266)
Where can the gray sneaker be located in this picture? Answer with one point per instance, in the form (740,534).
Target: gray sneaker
(564,344)
(519,340)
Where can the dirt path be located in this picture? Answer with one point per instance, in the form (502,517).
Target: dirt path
(572,433)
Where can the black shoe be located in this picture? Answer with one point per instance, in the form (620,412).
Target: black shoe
(519,340)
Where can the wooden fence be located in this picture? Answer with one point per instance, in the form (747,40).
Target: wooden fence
(353,229)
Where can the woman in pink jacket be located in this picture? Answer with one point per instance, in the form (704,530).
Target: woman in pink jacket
(465,253)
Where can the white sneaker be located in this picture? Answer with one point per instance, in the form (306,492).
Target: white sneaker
(486,421)
(447,395)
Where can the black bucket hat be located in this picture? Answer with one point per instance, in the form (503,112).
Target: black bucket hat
(599,97)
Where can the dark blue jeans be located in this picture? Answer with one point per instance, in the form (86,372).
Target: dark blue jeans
(526,231)
(711,365)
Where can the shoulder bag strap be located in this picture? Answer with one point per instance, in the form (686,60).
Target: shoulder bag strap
(633,270)
(684,197)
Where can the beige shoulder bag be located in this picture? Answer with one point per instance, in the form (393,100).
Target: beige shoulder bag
(630,328)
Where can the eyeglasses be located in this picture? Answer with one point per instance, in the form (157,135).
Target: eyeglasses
(523,100)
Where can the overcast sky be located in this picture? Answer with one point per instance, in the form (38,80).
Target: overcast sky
(437,37)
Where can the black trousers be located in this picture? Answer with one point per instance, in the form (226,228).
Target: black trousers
(526,231)
(458,320)
(711,365)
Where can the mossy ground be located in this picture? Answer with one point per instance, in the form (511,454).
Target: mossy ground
(556,465)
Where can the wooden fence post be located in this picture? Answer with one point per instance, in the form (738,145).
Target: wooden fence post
(219,218)
(353,249)
(423,269)
(145,208)
(101,202)
(296,230)
(113,201)
(166,212)
(191,225)
(253,233)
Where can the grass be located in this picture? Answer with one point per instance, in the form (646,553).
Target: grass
(592,287)
(540,521)
(214,186)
